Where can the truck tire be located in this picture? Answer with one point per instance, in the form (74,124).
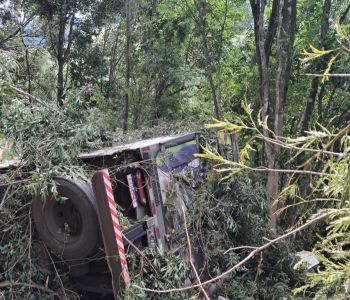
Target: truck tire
(70,227)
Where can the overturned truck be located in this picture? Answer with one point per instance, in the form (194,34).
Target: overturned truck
(73,229)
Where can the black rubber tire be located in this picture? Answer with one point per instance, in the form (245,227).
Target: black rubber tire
(50,217)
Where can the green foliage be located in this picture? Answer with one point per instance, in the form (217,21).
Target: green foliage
(8,67)
(23,264)
(331,185)
(232,213)
(49,140)
(161,270)
(332,249)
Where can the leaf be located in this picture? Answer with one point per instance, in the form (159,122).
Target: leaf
(329,66)
(314,53)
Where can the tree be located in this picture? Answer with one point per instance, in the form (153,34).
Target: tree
(127,65)
(283,21)
(322,64)
(60,26)
(202,23)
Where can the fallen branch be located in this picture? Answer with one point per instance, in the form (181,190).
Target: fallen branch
(265,169)
(32,285)
(292,147)
(23,93)
(238,248)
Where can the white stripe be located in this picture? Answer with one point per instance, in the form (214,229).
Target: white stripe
(121,256)
(119,235)
(126,276)
(107,182)
(120,244)
(109,194)
(115,220)
(112,207)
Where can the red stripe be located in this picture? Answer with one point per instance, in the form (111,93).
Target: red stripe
(108,189)
(111,200)
(140,187)
(119,238)
(116,226)
(121,251)
(106,175)
(117,229)
(114,214)
(113,208)
(157,233)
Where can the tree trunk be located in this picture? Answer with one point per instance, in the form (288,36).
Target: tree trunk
(60,53)
(285,41)
(283,21)
(344,15)
(320,105)
(272,29)
(112,65)
(208,61)
(137,108)
(29,75)
(105,39)
(310,103)
(67,12)
(159,92)
(258,15)
(128,67)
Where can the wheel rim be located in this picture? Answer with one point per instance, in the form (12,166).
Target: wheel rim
(64,221)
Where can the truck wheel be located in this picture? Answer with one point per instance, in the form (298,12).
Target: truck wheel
(69,227)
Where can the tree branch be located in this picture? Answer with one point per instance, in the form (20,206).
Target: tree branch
(190,256)
(248,257)
(27,285)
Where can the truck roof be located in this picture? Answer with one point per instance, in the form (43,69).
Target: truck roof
(167,140)
(171,140)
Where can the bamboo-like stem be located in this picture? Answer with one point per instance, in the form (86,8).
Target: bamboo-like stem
(247,258)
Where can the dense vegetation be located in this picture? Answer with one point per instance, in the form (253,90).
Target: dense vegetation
(77,75)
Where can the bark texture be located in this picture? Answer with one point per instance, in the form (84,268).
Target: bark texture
(66,17)
(127,67)
(321,65)
(283,23)
(208,60)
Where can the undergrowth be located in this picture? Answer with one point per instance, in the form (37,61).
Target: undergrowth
(222,215)
(232,213)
